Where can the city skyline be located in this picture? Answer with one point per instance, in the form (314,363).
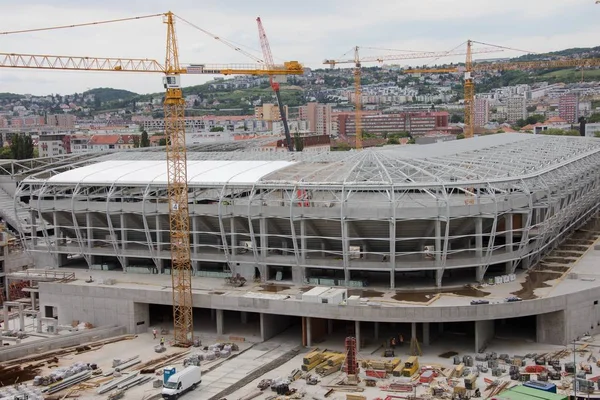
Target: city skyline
(308,32)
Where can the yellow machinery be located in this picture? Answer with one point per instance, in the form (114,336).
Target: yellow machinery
(174,105)
(411,366)
(357,61)
(470,68)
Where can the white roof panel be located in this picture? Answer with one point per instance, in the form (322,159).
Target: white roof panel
(144,172)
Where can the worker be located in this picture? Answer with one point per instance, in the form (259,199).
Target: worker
(401,340)
(393,343)
(162,341)
(154,332)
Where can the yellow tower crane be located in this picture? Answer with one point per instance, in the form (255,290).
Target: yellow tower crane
(470,68)
(174,106)
(358,61)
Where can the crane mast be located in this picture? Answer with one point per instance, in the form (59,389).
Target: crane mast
(357,99)
(266,49)
(179,222)
(469,94)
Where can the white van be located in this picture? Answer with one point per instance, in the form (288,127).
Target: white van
(182,382)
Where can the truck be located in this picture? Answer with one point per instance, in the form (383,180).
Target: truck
(182,382)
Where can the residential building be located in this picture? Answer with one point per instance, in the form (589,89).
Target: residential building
(415,123)
(52,145)
(61,120)
(270,112)
(482,111)
(516,108)
(111,142)
(568,107)
(80,143)
(319,117)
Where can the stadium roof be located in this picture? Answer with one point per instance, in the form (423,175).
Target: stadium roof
(145,172)
(500,157)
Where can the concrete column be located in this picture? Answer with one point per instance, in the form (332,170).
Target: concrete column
(158,235)
(376,331)
(484,333)
(508,218)
(308,332)
(413,330)
(194,234)
(39,322)
(479,247)
(329,326)
(244,316)
(21,319)
(357,334)
(438,255)
(6,319)
(303,241)
(233,237)
(32,217)
(426,333)
(264,238)
(123,231)
(88,223)
(220,322)
(392,256)
(33,307)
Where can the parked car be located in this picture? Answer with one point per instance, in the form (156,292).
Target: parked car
(479,301)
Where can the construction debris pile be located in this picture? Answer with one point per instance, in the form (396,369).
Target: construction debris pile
(21,392)
(60,374)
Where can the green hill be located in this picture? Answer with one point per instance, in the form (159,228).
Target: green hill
(108,94)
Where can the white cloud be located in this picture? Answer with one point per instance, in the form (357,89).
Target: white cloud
(309,32)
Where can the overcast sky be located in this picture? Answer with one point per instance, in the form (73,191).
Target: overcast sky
(307,30)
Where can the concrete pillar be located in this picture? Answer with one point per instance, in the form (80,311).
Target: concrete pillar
(6,319)
(32,217)
(376,331)
(21,319)
(303,241)
(508,218)
(413,330)
(439,274)
(426,333)
(357,334)
(158,235)
(308,332)
(479,247)
(244,317)
(329,326)
(392,256)
(264,238)
(194,234)
(233,237)
(39,322)
(89,227)
(322,249)
(220,322)
(484,333)
(33,305)
(123,221)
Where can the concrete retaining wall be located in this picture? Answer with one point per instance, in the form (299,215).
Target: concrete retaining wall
(75,339)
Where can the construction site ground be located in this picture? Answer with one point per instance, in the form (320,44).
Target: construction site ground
(237,376)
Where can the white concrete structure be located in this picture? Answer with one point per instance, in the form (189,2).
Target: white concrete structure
(443,213)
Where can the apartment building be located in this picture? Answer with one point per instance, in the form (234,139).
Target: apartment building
(111,142)
(61,120)
(568,107)
(415,123)
(482,111)
(270,112)
(53,145)
(516,108)
(319,117)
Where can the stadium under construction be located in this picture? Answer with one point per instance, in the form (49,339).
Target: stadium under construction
(409,233)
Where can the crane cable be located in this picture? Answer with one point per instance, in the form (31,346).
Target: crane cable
(52,28)
(229,43)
